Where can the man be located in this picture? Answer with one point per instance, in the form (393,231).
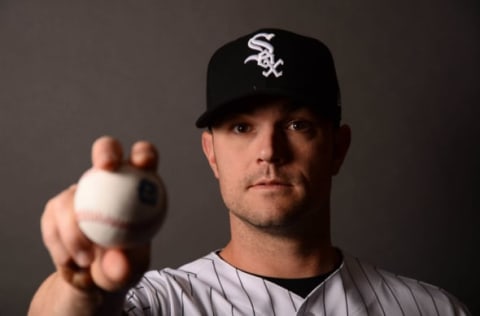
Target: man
(274,141)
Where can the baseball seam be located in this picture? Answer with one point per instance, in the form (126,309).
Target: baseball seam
(92,216)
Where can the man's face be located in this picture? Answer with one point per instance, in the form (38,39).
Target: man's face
(274,164)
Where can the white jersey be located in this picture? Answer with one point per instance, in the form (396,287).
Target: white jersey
(211,286)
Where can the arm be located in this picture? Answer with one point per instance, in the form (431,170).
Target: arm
(58,297)
(89,279)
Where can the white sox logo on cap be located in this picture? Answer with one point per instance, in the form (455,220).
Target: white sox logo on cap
(265,58)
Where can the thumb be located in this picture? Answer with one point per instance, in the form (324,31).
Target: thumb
(119,269)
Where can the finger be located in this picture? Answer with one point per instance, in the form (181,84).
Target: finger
(138,259)
(78,277)
(102,272)
(70,271)
(77,245)
(106,153)
(119,269)
(144,155)
(51,237)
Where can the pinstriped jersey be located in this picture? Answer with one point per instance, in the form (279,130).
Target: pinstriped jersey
(211,286)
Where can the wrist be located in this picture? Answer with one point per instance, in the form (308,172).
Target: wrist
(94,301)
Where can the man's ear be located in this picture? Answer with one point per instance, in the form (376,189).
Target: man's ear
(341,142)
(207,146)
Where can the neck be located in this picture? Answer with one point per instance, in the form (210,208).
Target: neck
(279,255)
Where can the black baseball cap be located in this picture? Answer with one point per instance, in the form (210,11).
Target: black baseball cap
(271,62)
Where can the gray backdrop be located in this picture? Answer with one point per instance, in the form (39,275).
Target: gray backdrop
(407,198)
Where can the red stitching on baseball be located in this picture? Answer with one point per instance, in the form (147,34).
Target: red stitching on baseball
(92,216)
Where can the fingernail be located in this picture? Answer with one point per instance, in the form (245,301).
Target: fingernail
(112,156)
(109,160)
(143,158)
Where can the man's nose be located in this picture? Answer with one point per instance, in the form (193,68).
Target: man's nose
(273,146)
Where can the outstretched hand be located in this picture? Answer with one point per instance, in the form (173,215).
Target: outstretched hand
(80,262)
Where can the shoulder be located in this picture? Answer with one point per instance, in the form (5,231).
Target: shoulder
(167,288)
(386,291)
(170,278)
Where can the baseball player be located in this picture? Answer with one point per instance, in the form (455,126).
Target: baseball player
(273,138)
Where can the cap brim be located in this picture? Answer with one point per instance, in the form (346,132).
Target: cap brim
(208,118)
(232,105)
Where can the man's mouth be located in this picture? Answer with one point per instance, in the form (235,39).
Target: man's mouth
(270,183)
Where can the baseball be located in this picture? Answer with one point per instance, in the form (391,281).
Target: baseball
(120,209)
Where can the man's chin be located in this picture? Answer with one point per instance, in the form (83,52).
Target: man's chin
(275,221)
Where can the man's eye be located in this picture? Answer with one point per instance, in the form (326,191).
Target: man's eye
(241,128)
(299,125)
